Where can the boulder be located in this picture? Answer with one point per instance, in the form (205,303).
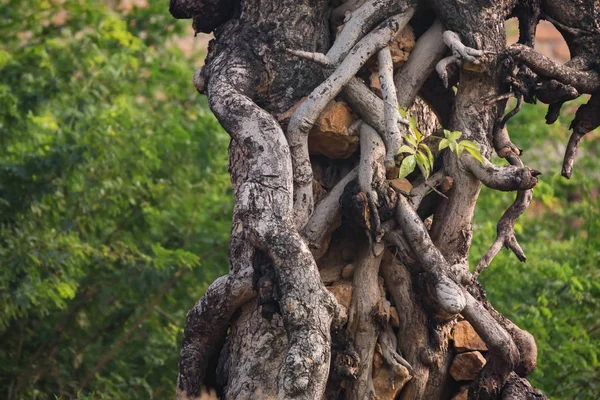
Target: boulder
(329,136)
(466,366)
(466,339)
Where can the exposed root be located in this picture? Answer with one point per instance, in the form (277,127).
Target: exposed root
(506,178)
(586,119)
(584,81)
(413,324)
(368,106)
(318,58)
(450,296)
(361,21)
(520,389)
(326,217)
(361,324)
(505,230)
(460,53)
(418,193)
(428,51)
(392,136)
(308,112)
(372,152)
(205,328)
(264,204)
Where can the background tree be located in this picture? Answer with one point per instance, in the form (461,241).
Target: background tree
(400,250)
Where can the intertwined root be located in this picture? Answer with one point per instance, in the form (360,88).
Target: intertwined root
(276,214)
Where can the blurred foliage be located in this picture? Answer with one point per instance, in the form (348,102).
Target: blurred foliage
(555,295)
(115,209)
(115,202)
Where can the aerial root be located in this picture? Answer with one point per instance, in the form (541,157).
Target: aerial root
(307,113)
(326,217)
(460,54)
(205,328)
(505,229)
(583,81)
(507,178)
(586,119)
(361,323)
(392,136)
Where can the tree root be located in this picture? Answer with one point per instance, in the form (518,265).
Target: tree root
(460,53)
(264,204)
(584,81)
(326,217)
(506,178)
(586,119)
(307,113)
(361,324)
(391,135)
(428,51)
(205,328)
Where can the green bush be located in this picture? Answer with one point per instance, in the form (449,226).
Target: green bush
(115,203)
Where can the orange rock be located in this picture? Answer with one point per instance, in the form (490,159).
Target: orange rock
(329,136)
(466,339)
(466,366)
(342,290)
(402,46)
(375,84)
(401,184)
(386,381)
(394,318)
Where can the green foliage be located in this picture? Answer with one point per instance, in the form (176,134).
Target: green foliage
(451,140)
(556,294)
(114,199)
(418,152)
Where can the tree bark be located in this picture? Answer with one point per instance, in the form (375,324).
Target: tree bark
(345,282)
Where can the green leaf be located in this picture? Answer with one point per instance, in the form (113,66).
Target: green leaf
(476,154)
(402,111)
(406,149)
(443,144)
(454,146)
(454,135)
(414,128)
(428,152)
(410,138)
(423,162)
(407,166)
(469,144)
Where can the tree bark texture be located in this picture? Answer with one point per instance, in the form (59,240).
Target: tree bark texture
(345,281)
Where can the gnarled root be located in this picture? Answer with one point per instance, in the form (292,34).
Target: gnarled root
(308,112)
(584,81)
(205,328)
(361,319)
(506,178)
(586,119)
(264,204)
(392,136)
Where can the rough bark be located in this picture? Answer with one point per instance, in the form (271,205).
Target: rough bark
(389,253)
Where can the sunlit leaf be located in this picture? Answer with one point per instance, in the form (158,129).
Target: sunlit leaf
(407,166)
(406,149)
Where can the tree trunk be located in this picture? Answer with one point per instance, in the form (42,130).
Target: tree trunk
(346,281)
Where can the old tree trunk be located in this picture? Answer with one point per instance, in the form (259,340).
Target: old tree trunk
(346,281)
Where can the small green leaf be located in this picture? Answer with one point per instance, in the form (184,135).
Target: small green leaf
(428,152)
(407,166)
(406,149)
(476,154)
(410,138)
(453,146)
(469,144)
(402,112)
(423,163)
(454,135)
(443,144)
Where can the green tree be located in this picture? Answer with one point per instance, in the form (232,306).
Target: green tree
(114,199)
